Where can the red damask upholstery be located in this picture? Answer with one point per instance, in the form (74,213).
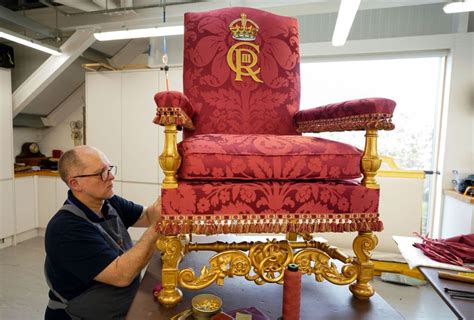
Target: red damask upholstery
(173,107)
(245,166)
(267,157)
(268,206)
(360,114)
(224,105)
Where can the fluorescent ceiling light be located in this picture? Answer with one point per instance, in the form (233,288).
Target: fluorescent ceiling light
(345,18)
(18,38)
(456,7)
(139,33)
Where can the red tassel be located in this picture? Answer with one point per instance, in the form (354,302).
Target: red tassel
(246,227)
(347,226)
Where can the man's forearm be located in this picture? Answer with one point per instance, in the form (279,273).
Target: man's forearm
(125,268)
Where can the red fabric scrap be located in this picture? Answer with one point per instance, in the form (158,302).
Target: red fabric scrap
(457,250)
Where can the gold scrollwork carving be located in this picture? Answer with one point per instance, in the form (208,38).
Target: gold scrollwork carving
(362,245)
(224,264)
(314,261)
(172,253)
(269,260)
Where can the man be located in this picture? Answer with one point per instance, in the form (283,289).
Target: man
(92,267)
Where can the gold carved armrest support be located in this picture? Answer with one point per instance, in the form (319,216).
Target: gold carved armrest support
(173,110)
(371,161)
(170,160)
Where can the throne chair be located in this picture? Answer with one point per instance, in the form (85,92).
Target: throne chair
(244,167)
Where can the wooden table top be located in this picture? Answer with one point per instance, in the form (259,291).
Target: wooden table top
(463,309)
(320,300)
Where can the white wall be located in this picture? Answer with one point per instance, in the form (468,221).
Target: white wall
(59,137)
(459,101)
(22,135)
(26,62)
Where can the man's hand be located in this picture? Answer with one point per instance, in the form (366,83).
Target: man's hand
(151,215)
(153,212)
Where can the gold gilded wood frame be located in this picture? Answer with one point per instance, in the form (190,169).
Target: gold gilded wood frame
(265,262)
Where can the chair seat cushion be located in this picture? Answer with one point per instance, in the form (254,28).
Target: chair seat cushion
(267,157)
(269,206)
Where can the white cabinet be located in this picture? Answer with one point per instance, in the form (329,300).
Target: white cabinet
(140,193)
(458,215)
(175,80)
(46,199)
(7,213)
(61,193)
(140,136)
(120,108)
(25,204)
(104,116)
(6,126)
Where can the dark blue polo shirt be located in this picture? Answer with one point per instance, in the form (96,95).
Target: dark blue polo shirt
(76,252)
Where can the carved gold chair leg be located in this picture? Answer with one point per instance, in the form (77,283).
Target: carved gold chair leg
(171,254)
(362,245)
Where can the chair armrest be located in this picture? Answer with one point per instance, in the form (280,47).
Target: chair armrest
(173,107)
(361,114)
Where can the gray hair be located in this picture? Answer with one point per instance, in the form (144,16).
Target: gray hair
(69,161)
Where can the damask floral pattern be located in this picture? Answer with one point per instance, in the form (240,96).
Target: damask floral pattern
(360,114)
(224,105)
(267,206)
(267,157)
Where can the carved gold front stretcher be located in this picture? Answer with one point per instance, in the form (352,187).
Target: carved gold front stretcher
(264,262)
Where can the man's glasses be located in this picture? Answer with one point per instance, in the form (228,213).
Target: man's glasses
(104,174)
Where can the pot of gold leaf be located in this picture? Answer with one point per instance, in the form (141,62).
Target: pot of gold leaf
(204,306)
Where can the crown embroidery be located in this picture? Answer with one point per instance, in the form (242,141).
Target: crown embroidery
(243,29)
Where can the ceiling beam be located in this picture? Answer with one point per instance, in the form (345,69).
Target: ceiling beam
(130,51)
(22,21)
(174,13)
(50,69)
(64,109)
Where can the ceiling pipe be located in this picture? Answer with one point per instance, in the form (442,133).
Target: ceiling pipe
(107,11)
(83,5)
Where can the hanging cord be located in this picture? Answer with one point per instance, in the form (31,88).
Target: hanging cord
(164,58)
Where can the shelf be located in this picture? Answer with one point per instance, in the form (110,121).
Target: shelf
(457,195)
(30,173)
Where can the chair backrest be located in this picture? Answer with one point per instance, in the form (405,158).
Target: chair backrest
(241,71)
